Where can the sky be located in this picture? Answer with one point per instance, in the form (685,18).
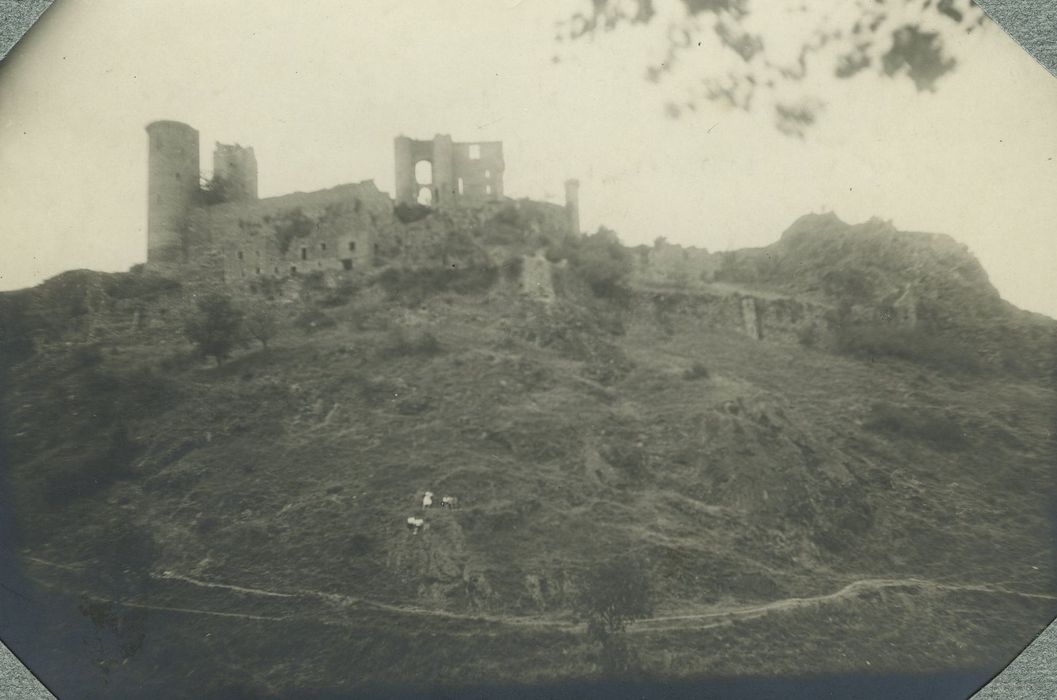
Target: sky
(320,88)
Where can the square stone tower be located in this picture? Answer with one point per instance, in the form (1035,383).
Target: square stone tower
(442,173)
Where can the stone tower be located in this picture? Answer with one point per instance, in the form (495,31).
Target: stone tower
(572,205)
(236,166)
(457,173)
(172,187)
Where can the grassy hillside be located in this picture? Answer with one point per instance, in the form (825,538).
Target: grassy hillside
(249,519)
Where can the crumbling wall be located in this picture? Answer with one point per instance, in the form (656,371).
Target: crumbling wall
(760,317)
(537,278)
(235,167)
(330,231)
(462,173)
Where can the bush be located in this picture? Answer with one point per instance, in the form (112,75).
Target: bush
(603,263)
(613,594)
(696,371)
(513,267)
(341,295)
(215,328)
(923,424)
(413,286)
(808,336)
(410,213)
(290,225)
(262,324)
(69,480)
(937,350)
(177,361)
(85,356)
(268,287)
(401,343)
(314,320)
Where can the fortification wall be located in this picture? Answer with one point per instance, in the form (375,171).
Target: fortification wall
(236,167)
(331,230)
(462,173)
(761,317)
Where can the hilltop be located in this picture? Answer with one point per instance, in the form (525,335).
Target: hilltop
(808,481)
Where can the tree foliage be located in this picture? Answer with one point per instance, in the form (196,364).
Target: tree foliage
(775,44)
(262,324)
(613,594)
(602,261)
(215,327)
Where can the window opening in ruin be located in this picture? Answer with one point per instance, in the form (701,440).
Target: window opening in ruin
(425,196)
(277,270)
(177,176)
(322,246)
(352,245)
(240,255)
(258,270)
(488,189)
(293,269)
(376,248)
(304,253)
(346,263)
(460,186)
(475,151)
(488,173)
(424,172)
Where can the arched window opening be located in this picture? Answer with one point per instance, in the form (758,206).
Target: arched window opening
(425,196)
(424,172)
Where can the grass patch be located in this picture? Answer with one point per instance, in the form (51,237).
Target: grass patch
(937,350)
(917,424)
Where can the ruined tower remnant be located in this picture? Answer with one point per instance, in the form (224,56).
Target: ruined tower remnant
(572,204)
(172,187)
(442,173)
(236,167)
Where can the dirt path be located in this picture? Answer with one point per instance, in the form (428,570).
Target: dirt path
(681,621)
(848,591)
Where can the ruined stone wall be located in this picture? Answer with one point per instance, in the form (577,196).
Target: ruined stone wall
(537,278)
(331,231)
(236,167)
(462,173)
(766,318)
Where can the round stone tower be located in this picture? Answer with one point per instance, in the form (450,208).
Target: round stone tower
(172,187)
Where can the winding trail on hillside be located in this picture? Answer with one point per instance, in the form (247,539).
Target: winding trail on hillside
(713,617)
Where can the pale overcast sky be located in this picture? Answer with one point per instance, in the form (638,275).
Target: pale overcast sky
(320,88)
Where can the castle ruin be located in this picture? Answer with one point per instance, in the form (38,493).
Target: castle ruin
(444,173)
(222,228)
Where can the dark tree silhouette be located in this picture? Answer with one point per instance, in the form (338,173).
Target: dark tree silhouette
(215,328)
(262,323)
(613,594)
(904,39)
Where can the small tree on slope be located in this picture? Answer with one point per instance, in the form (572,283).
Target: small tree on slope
(613,594)
(215,328)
